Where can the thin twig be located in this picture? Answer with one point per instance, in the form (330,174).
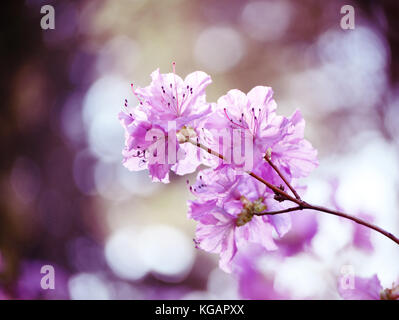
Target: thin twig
(276,190)
(282,176)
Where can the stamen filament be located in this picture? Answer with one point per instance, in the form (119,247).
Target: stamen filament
(237,124)
(135,94)
(174,76)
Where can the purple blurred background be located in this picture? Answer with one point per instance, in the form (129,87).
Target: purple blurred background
(66,200)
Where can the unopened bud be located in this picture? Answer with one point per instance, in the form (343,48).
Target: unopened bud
(269,153)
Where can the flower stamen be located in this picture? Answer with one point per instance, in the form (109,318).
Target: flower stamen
(237,124)
(136,95)
(249,210)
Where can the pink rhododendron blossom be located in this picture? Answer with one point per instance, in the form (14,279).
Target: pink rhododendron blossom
(218,232)
(369,289)
(226,188)
(219,184)
(170,109)
(255,115)
(170,98)
(226,211)
(147,147)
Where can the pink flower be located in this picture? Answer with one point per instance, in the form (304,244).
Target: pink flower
(218,231)
(291,153)
(369,289)
(170,110)
(253,117)
(169,98)
(217,183)
(226,212)
(147,147)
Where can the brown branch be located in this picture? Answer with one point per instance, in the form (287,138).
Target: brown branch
(209,150)
(355,219)
(301,204)
(336,213)
(270,213)
(282,193)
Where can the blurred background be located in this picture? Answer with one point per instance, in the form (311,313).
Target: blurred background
(66,200)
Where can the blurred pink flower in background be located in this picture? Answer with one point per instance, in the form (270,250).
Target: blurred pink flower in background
(361,234)
(253,283)
(304,227)
(369,289)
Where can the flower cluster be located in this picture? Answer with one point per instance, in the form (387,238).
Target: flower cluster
(175,128)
